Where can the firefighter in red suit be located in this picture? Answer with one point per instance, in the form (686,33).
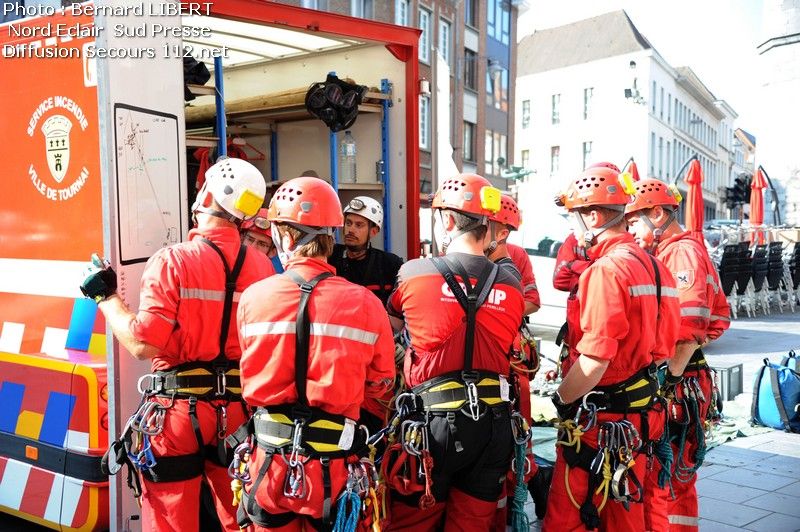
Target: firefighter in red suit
(571,261)
(705,315)
(629,318)
(186,326)
(463,313)
(314,346)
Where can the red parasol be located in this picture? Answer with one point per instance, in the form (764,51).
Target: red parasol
(757,187)
(634,171)
(694,206)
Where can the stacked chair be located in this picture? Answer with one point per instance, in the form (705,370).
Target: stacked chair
(760,266)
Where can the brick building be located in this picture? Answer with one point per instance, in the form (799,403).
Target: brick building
(477,40)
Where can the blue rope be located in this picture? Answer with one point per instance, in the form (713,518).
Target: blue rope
(684,472)
(519,519)
(347,522)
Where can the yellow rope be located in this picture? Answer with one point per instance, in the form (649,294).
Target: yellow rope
(604,486)
(573,433)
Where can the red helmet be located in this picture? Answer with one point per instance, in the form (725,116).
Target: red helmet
(307,201)
(650,193)
(468,193)
(605,164)
(509,213)
(259,223)
(597,186)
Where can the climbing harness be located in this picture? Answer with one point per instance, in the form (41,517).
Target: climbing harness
(298,433)
(216,382)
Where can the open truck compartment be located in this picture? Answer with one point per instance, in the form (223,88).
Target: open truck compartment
(100,160)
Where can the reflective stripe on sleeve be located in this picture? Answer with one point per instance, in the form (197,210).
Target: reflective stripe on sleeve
(317,329)
(702,312)
(199,293)
(207,295)
(650,290)
(714,317)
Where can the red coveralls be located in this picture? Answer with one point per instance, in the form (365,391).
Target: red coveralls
(621,322)
(523,264)
(705,315)
(467,493)
(180,312)
(351,347)
(571,261)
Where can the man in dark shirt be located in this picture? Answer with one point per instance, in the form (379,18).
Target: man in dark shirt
(356,260)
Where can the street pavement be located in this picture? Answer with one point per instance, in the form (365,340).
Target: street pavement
(750,483)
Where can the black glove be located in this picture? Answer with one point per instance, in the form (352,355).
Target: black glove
(670,383)
(564,410)
(100,281)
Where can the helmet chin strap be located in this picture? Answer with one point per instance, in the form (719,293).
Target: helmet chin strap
(658,232)
(494,243)
(217,214)
(590,236)
(450,236)
(310,233)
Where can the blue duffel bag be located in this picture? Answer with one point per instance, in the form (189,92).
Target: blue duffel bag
(776,395)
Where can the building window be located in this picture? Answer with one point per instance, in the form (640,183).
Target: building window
(660,157)
(444,41)
(554,155)
(497,89)
(653,98)
(487,155)
(652,154)
(662,104)
(526,113)
(499,155)
(525,157)
(471,13)
(470,69)
(320,5)
(496,150)
(587,153)
(669,158)
(425,38)
(425,122)
(669,108)
(555,104)
(498,20)
(587,102)
(469,142)
(361,8)
(401,12)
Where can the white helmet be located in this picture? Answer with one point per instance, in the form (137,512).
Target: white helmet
(236,185)
(367,207)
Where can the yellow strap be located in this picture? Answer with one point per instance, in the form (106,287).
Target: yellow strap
(641,383)
(193,372)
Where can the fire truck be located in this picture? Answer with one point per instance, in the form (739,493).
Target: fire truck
(102,153)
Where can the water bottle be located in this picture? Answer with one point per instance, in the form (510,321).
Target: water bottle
(347,159)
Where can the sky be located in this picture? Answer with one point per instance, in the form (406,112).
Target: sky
(717,39)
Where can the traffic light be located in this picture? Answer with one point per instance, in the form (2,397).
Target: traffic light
(730,197)
(742,188)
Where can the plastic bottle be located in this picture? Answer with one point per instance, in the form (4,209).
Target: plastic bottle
(347,159)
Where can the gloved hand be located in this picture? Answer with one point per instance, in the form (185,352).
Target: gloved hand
(100,280)
(564,410)
(670,383)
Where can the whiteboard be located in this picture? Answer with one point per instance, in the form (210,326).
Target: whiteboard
(147,169)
